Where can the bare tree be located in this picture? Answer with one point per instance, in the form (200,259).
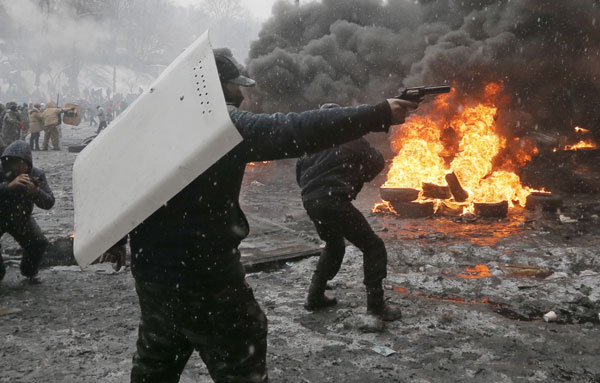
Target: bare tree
(225,9)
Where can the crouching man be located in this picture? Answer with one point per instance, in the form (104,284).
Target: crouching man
(330,180)
(22,186)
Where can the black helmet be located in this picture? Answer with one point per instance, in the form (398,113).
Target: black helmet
(229,70)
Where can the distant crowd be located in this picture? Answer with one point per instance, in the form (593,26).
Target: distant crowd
(29,120)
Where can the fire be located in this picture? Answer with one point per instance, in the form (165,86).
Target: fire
(382,207)
(580,130)
(476,272)
(466,143)
(583,144)
(257,163)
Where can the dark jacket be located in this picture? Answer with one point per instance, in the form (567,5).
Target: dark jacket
(338,172)
(15,203)
(193,239)
(10,127)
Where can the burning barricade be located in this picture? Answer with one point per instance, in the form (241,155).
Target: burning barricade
(456,161)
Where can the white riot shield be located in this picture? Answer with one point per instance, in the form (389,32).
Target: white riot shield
(170,135)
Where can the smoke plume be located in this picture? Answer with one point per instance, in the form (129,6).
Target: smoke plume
(545,53)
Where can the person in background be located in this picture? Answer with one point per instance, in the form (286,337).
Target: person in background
(91,113)
(11,125)
(36,125)
(24,113)
(21,187)
(101,118)
(52,120)
(330,180)
(185,259)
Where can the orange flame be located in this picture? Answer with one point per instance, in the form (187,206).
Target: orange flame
(580,130)
(476,272)
(424,155)
(257,163)
(583,144)
(382,207)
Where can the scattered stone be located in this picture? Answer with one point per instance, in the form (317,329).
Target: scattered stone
(550,316)
(383,350)
(365,323)
(565,219)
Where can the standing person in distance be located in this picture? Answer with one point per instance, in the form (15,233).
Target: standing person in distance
(36,125)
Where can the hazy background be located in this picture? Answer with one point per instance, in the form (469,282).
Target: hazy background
(71,47)
(545,53)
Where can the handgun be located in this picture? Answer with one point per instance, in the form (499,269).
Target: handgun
(37,181)
(418,93)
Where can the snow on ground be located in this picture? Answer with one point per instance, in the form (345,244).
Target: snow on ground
(80,326)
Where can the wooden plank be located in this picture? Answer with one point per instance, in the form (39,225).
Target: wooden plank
(256,262)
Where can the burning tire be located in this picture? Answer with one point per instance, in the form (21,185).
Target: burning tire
(398,194)
(545,201)
(436,191)
(413,209)
(491,210)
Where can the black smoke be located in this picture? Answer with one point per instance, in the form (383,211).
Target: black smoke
(546,53)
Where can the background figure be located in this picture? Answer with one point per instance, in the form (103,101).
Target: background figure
(52,121)
(24,113)
(91,114)
(36,125)
(11,125)
(330,180)
(22,186)
(101,118)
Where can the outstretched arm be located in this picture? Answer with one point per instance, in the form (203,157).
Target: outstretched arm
(277,136)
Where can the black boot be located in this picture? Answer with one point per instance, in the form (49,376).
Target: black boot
(377,306)
(316,298)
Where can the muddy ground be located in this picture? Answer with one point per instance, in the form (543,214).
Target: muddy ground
(80,326)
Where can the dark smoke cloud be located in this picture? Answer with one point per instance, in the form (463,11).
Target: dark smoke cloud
(545,52)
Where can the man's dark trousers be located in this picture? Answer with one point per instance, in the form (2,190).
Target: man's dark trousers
(34,141)
(29,236)
(101,126)
(336,219)
(224,324)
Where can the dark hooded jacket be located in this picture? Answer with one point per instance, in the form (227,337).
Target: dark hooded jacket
(193,239)
(16,203)
(339,172)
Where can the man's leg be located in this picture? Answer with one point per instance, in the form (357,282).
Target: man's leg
(30,237)
(46,138)
(326,222)
(229,330)
(357,230)
(162,350)
(31,141)
(55,138)
(37,141)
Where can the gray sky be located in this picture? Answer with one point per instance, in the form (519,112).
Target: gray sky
(259,8)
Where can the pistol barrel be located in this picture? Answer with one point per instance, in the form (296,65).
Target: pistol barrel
(438,89)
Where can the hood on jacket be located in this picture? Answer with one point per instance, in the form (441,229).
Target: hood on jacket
(19,149)
(51,105)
